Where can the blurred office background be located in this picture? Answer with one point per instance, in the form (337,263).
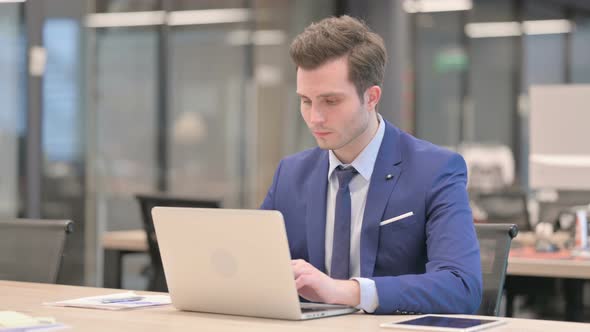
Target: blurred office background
(103,99)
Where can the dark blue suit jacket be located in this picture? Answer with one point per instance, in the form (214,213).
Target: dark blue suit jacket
(427,263)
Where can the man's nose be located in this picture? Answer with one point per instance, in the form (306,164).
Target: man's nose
(316,116)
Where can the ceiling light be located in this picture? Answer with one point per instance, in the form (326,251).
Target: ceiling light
(545,27)
(431,6)
(125,19)
(209,16)
(493,29)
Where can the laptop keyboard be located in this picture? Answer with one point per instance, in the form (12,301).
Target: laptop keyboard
(315,307)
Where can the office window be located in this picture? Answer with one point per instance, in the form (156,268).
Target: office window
(440,68)
(12,99)
(491,80)
(125,106)
(62,187)
(580,52)
(207,119)
(543,54)
(279,127)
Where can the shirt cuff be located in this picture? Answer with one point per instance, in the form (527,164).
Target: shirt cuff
(369,297)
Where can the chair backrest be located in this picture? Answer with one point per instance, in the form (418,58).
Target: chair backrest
(504,207)
(147,202)
(494,243)
(31,249)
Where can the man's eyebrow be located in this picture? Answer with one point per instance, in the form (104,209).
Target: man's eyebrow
(331,94)
(324,95)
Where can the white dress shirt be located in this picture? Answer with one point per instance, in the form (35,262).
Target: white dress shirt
(358,186)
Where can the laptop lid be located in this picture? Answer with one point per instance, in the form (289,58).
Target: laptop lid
(227,261)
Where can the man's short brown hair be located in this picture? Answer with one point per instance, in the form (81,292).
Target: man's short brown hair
(335,37)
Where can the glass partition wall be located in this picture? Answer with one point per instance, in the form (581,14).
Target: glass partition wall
(190,99)
(12,99)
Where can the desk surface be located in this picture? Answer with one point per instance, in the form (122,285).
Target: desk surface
(526,262)
(27,298)
(133,240)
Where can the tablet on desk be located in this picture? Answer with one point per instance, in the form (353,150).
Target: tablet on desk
(444,323)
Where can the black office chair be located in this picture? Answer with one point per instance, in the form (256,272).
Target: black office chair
(504,207)
(157,279)
(494,243)
(32,249)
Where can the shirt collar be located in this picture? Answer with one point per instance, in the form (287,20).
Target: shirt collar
(365,161)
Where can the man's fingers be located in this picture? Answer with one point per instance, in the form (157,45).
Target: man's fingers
(300,266)
(300,271)
(302,281)
(297,269)
(298,262)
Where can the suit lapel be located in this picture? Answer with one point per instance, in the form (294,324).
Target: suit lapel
(386,173)
(316,213)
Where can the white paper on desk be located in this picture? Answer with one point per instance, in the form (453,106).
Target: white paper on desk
(95,302)
(35,328)
(12,321)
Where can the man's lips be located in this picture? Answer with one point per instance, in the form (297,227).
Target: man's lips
(321,133)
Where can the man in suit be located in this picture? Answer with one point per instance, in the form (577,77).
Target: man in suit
(375,218)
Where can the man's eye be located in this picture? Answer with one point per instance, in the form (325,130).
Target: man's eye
(306,102)
(331,102)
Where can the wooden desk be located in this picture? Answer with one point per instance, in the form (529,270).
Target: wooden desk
(28,298)
(526,262)
(133,240)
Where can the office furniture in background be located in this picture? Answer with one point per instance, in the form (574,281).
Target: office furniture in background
(526,262)
(494,242)
(116,245)
(559,152)
(503,207)
(490,166)
(559,167)
(32,249)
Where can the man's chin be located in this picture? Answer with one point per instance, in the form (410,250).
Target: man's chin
(324,145)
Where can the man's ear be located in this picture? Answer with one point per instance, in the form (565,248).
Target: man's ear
(372,96)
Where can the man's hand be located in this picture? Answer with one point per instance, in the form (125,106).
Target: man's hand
(315,286)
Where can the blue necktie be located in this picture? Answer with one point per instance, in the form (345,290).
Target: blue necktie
(341,247)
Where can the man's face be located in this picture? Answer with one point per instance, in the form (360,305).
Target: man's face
(331,107)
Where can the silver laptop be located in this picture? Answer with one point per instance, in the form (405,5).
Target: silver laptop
(233,262)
